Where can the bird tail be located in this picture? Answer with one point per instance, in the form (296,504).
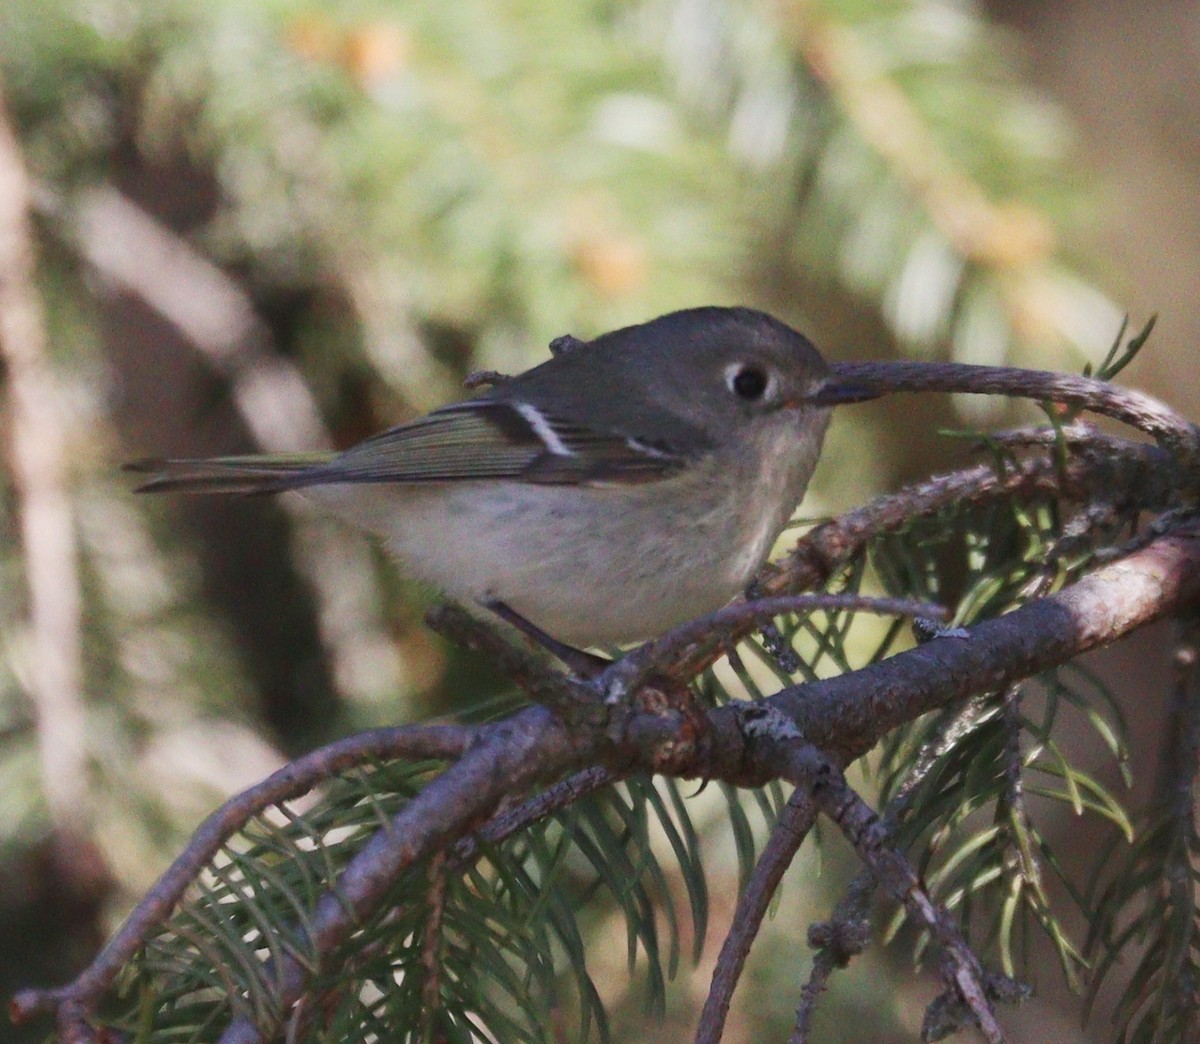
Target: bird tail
(230,474)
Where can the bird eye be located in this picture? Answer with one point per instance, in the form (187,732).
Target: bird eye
(748,382)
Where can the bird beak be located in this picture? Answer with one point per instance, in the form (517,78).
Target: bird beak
(832,392)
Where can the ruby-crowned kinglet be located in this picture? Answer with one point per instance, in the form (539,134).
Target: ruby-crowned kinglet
(626,485)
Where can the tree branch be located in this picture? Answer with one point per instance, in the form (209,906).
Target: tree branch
(988,233)
(431,948)
(1132,407)
(508,758)
(789,833)
(848,714)
(669,655)
(959,967)
(846,932)
(414,742)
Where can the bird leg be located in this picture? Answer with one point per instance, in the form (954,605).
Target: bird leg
(584,664)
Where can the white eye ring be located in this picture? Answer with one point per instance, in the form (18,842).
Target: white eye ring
(750,382)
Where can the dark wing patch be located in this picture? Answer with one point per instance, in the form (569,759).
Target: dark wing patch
(448,444)
(485,439)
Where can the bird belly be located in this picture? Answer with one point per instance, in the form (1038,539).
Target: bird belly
(589,565)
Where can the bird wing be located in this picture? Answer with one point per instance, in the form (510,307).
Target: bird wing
(501,439)
(471,441)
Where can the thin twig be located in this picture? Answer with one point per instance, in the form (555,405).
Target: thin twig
(846,932)
(660,656)
(1182,766)
(836,941)
(1039,436)
(431,947)
(959,966)
(1013,807)
(1132,407)
(792,827)
(512,820)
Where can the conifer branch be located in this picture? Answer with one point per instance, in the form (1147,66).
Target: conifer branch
(648,729)
(416,742)
(990,233)
(847,931)
(958,965)
(508,758)
(850,713)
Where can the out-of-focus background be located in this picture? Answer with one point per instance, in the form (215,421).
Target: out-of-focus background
(264,224)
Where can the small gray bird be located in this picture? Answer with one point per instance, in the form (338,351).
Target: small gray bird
(624,486)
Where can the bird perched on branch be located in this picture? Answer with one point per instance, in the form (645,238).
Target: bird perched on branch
(625,485)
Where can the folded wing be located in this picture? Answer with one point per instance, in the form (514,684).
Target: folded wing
(472,441)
